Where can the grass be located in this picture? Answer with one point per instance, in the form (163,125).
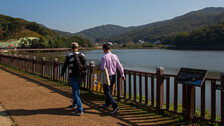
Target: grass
(171,107)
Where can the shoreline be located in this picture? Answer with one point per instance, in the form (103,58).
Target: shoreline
(201,48)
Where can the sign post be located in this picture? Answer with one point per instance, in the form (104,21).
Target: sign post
(190,78)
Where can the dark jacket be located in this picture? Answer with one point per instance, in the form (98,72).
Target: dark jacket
(69,62)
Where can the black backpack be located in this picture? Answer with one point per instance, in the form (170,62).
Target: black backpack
(79,65)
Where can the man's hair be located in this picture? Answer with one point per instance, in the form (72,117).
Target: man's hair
(107,46)
(74,45)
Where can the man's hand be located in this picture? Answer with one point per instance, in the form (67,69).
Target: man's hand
(61,78)
(98,67)
(84,80)
(123,78)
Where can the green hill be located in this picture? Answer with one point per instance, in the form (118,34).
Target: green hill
(63,33)
(102,32)
(16,28)
(209,36)
(187,22)
(10,27)
(155,31)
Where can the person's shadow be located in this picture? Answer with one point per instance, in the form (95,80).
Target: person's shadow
(93,101)
(52,111)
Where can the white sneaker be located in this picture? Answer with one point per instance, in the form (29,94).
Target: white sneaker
(115,110)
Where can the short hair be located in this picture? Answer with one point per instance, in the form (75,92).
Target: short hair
(107,46)
(74,45)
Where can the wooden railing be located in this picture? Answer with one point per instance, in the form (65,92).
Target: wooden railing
(152,89)
(40,49)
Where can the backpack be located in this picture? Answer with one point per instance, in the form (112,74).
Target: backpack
(79,65)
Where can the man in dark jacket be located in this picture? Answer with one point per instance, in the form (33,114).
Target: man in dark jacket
(75,61)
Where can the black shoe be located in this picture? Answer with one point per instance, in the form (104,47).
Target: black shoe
(71,106)
(104,106)
(115,110)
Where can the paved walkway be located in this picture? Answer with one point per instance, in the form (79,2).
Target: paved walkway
(34,101)
(5,120)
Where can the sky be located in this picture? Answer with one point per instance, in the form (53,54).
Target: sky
(77,15)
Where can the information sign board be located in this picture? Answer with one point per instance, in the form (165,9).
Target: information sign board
(190,76)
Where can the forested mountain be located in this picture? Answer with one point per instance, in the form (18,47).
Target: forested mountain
(15,28)
(209,36)
(155,31)
(188,22)
(103,32)
(64,33)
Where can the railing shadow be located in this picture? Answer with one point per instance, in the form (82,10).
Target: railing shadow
(134,117)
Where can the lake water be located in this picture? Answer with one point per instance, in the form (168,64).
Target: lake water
(172,60)
(149,59)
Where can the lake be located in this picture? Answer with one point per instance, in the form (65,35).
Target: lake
(149,59)
(172,60)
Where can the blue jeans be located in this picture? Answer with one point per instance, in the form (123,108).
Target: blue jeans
(75,83)
(108,92)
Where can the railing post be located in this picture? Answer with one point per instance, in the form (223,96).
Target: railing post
(10,60)
(125,86)
(7,59)
(202,100)
(159,87)
(152,90)
(167,93)
(119,86)
(43,67)
(190,103)
(3,58)
(14,62)
(20,62)
(91,75)
(222,98)
(175,96)
(213,100)
(26,63)
(0,57)
(55,73)
(135,88)
(34,65)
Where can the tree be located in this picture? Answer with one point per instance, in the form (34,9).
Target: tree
(25,43)
(34,43)
(43,43)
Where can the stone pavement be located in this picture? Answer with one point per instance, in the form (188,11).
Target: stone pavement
(31,101)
